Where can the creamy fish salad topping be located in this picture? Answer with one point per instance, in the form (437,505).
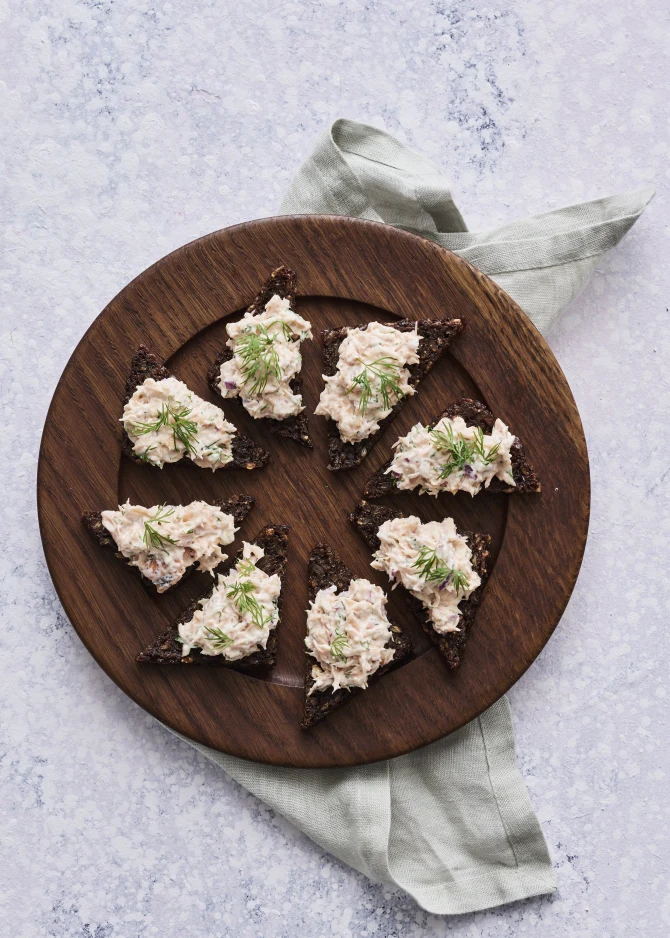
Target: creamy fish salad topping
(433,561)
(347,633)
(452,457)
(371,378)
(163,541)
(237,618)
(266,356)
(165,422)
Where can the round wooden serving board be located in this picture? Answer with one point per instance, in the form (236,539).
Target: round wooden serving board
(349,272)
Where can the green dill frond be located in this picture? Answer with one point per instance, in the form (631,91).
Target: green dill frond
(459,580)
(259,357)
(487,456)
(145,455)
(245,568)
(218,638)
(153,538)
(387,372)
(460,452)
(141,429)
(434,570)
(285,328)
(242,595)
(429,566)
(183,430)
(162,514)
(338,645)
(215,451)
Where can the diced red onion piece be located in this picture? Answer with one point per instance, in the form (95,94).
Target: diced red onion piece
(443,583)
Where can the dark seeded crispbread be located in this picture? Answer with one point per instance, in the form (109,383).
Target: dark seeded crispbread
(367,519)
(246,453)
(167,650)
(282,282)
(474,414)
(436,337)
(326,570)
(238,506)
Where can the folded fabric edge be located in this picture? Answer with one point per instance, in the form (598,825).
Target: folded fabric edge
(497,886)
(517,813)
(573,237)
(533,874)
(548,250)
(630,203)
(379,146)
(511,255)
(367,848)
(472,893)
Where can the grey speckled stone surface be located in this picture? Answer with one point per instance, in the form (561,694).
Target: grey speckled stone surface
(134,127)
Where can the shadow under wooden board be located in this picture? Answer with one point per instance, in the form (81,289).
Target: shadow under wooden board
(349,271)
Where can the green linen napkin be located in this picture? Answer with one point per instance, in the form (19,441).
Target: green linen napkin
(452,824)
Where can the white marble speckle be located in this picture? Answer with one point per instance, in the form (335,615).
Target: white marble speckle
(132,127)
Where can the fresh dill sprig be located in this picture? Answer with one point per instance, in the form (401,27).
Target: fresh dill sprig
(260,360)
(286,329)
(152,537)
(140,429)
(338,645)
(183,430)
(387,371)
(186,431)
(429,566)
(459,581)
(145,455)
(433,570)
(487,457)
(460,452)
(242,595)
(218,638)
(214,450)
(245,567)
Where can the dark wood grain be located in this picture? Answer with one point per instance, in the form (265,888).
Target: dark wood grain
(349,272)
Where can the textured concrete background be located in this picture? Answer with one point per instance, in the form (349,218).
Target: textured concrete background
(131,128)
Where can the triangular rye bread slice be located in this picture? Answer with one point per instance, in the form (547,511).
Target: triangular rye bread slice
(436,337)
(367,519)
(238,506)
(325,570)
(474,414)
(246,453)
(167,649)
(282,282)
